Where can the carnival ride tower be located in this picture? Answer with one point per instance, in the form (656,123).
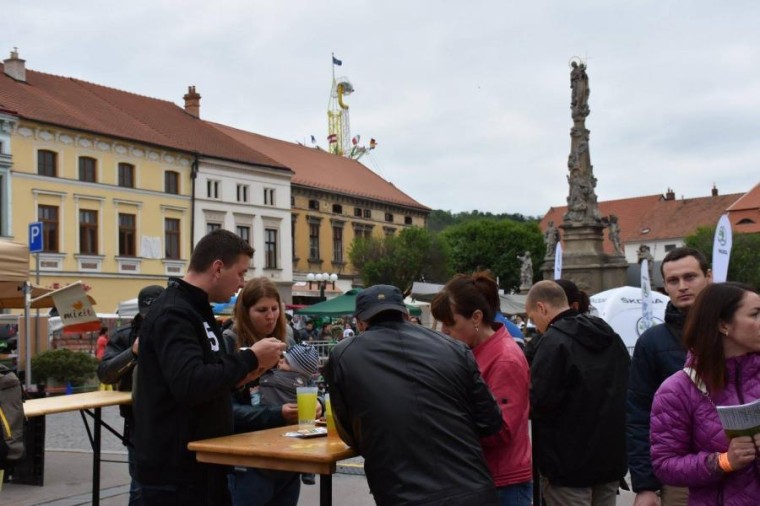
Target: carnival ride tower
(339,128)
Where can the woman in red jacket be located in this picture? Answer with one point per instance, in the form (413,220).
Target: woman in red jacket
(464,310)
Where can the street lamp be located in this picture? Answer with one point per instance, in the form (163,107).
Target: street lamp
(322,279)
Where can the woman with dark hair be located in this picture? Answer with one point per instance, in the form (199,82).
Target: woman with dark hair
(464,311)
(689,445)
(258,315)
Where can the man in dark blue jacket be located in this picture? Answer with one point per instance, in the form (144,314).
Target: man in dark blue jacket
(658,354)
(185,376)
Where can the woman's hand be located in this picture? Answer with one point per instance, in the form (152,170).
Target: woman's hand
(319,410)
(290,412)
(741,451)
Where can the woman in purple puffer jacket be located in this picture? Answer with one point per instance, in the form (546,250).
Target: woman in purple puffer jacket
(689,446)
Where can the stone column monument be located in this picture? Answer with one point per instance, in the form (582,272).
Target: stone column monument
(583,257)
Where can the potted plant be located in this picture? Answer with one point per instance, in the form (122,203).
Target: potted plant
(64,366)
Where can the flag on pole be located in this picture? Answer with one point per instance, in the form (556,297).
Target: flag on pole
(722,249)
(646,298)
(337,61)
(332,138)
(75,309)
(313,140)
(558,261)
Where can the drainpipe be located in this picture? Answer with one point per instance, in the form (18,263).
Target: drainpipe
(193,177)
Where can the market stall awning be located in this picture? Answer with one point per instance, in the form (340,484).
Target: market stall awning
(511,303)
(14,261)
(342,305)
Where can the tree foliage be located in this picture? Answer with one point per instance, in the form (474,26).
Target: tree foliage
(64,365)
(439,219)
(743,265)
(413,255)
(494,245)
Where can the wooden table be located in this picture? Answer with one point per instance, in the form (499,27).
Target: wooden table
(90,403)
(269,449)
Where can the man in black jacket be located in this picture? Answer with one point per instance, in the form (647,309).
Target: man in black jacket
(658,354)
(579,377)
(184,376)
(412,402)
(118,362)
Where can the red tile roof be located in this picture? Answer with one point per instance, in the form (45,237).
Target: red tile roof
(81,105)
(745,212)
(652,217)
(323,170)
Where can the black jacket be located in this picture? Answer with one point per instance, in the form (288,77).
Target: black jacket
(182,388)
(579,377)
(412,402)
(118,362)
(657,355)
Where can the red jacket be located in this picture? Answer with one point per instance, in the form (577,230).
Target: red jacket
(505,370)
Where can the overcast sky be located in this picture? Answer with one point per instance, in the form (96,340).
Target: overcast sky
(469,101)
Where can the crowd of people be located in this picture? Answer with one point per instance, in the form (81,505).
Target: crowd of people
(471,415)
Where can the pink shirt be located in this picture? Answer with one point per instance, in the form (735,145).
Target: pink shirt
(505,370)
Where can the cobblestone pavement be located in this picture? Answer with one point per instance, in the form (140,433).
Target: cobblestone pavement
(66,431)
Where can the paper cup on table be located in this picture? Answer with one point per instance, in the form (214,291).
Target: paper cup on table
(307,405)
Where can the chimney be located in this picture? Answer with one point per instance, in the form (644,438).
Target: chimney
(15,67)
(714,190)
(670,195)
(192,102)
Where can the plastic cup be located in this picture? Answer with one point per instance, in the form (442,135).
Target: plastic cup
(331,430)
(307,405)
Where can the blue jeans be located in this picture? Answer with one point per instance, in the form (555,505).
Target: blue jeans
(135,490)
(520,494)
(256,487)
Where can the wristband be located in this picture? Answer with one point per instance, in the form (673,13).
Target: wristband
(724,463)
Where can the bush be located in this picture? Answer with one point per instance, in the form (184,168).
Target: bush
(64,365)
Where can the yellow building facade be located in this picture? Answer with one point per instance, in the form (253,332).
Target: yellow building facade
(116,214)
(325,224)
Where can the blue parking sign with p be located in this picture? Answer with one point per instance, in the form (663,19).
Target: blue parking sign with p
(35,237)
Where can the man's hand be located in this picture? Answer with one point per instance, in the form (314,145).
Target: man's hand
(741,452)
(134,346)
(268,351)
(646,498)
(290,412)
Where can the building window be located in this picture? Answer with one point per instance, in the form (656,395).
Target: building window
(268,196)
(407,220)
(368,213)
(88,232)
(87,169)
(358,212)
(171,182)
(242,193)
(47,163)
(244,233)
(293,237)
(337,244)
(669,247)
(127,175)
(171,238)
(212,189)
(313,241)
(270,248)
(389,217)
(210,227)
(389,231)
(314,204)
(127,235)
(48,215)
(337,209)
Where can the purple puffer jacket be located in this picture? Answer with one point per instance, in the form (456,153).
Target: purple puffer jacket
(686,434)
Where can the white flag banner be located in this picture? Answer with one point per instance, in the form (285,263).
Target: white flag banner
(558,261)
(721,250)
(646,296)
(75,309)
